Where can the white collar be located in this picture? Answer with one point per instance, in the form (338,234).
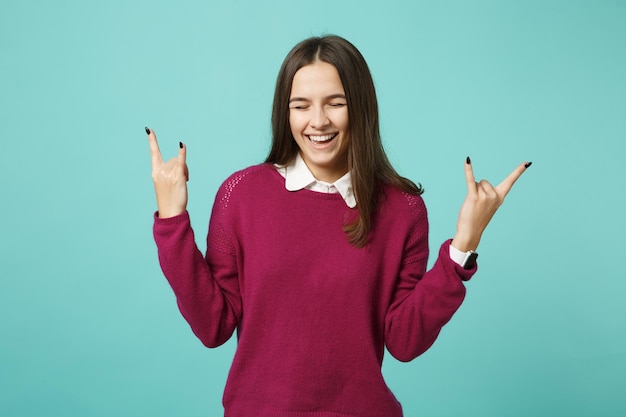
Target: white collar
(298,176)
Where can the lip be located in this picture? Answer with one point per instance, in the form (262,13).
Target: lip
(321,140)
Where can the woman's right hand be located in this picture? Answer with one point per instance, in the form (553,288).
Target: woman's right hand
(170,179)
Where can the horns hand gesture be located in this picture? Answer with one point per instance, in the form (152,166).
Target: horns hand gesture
(170,179)
(481,203)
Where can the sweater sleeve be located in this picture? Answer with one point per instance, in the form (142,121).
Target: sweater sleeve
(424,301)
(206,288)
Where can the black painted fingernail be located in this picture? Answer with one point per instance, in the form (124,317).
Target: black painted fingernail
(180,144)
(528,164)
(147,131)
(468,160)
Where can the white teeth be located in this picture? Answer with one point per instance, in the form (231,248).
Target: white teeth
(323,138)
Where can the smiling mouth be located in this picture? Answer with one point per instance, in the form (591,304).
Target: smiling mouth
(321,139)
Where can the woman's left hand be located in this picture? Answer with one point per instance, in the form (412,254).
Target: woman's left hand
(481,203)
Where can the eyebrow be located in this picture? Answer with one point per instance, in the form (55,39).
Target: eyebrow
(332,96)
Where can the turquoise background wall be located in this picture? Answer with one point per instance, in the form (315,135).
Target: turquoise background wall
(88,324)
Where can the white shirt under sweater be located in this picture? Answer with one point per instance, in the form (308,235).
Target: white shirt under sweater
(298,176)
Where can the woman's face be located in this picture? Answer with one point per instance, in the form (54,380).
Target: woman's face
(318,117)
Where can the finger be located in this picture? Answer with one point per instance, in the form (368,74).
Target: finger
(182,159)
(469,176)
(155,152)
(182,153)
(485,189)
(505,186)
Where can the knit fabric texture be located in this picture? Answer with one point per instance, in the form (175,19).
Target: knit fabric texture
(313,313)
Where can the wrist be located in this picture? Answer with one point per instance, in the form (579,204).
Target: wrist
(167,213)
(464,243)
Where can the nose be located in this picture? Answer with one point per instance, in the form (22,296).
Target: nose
(319,119)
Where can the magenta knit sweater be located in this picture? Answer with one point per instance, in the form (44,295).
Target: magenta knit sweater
(313,313)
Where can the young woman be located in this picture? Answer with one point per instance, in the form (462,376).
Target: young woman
(318,256)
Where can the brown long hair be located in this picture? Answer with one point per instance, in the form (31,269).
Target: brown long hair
(369,166)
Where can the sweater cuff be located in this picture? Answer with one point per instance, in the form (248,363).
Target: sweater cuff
(444,254)
(170,221)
